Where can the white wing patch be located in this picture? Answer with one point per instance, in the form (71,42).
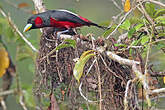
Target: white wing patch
(68,12)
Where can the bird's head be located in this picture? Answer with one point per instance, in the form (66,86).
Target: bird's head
(34,22)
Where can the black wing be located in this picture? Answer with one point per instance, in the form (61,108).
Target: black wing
(64,15)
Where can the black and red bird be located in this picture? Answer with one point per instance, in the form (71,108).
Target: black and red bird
(60,19)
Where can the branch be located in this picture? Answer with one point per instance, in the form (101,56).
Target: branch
(21,97)
(121,60)
(98,73)
(39,6)
(158,90)
(8,92)
(3,104)
(126,95)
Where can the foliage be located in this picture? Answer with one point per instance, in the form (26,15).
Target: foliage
(79,66)
(67,43)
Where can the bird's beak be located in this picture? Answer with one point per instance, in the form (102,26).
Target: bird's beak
(27,27)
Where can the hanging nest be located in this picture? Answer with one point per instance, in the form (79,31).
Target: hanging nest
(55,72)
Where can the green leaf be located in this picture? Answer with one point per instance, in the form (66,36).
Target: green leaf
(135,42)
(107,32)
(63,46)
(79,66)
(160,19)
(126,25)
(161,35)
(71,42)
(86,53)
(144,39)
(150,8)
(120,45)
(68,43)
(159,12)
(160,45)
(137,27)
(131,32)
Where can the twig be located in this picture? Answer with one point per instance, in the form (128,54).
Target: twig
(114,2)
(122,37)
(22,102)
(159,40)
(156,2)
(109,68)
(143,79)
(17,30)
(126,95)
(3,105)
(98,73)
(8,92)
(143,11)
(80,90)
(158,90)
(121,60)
(125,16)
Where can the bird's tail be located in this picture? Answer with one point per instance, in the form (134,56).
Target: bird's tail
(102,27)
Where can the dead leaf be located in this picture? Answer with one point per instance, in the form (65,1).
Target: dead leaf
(4,61)
(127,6)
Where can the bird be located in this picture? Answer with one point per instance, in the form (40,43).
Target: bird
(59,19)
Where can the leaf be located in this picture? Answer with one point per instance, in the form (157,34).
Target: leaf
(107,32)
(120,45)
(127,6)
(144,40)
(150,8)
(159,12)
(71,42)
(63,46)
(79,66)
(86,53)
(130,32)
(160,45)
(4,61)
(68,43)
(23,5)
(137,27)
(126,25)
(161,35)
(160,19)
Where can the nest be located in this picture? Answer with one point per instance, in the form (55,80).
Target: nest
(56,69)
